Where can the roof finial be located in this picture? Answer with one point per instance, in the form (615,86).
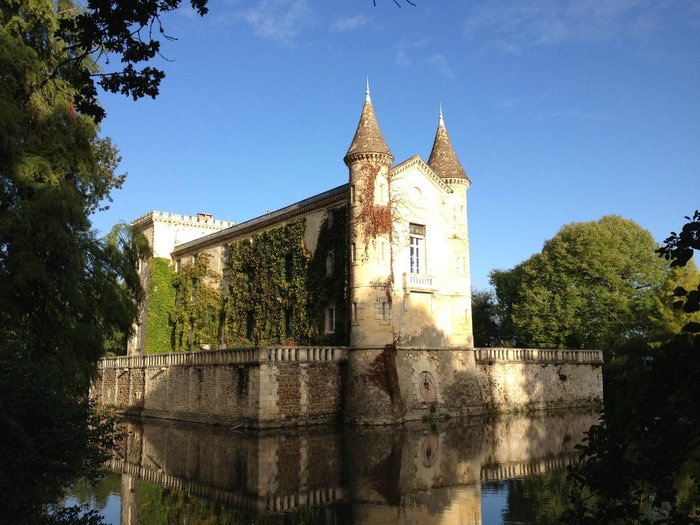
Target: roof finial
(367,99)
(442,121)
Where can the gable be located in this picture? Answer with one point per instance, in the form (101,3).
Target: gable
(409,168)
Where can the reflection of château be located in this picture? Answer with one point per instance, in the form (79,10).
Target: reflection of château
(364,475)
(354,303)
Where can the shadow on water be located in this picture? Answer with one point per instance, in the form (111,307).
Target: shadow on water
(419,473)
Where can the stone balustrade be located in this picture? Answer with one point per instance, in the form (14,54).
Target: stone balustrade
(419,282)
(235,356)
(270,502)
(533,355)
(501,472)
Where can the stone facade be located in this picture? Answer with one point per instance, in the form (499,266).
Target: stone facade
(257,387)
(290,386)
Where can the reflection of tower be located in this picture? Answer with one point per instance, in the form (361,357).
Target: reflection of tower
(416,477)
(131,486)
(368,160)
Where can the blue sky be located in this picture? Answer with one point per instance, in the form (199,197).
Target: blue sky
(558,111)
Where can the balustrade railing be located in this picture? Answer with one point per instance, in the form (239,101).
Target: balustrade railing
(232,356)
(534,355)
(516,470)
(419,282)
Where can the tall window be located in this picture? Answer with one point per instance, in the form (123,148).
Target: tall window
(416,247)
(330,320)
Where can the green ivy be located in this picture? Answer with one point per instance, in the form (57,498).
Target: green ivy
(267,289)
(277,294)
(326,290)
(274,291)
(196,317)
(161,298)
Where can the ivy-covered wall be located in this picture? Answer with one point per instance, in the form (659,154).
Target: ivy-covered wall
(161,299)
(331,288)
(267,292)
(274,291)
(196,318)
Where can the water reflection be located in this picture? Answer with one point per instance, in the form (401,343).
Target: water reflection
(422,473)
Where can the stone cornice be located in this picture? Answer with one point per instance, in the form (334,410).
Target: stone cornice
(457,181)
(367,155)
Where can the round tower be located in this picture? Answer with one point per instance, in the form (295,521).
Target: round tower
(444,162)
(368,160)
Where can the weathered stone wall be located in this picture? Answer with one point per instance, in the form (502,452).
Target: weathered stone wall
(280,386)
(263,387)
(400,384)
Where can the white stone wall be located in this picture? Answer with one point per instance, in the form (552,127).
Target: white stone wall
(427,309)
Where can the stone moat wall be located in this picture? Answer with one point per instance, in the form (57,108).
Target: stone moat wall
(258,387)
(283,386)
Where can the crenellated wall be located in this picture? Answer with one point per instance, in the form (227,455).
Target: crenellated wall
(287,385)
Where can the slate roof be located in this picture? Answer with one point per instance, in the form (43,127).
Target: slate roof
(443,159)
(368,137)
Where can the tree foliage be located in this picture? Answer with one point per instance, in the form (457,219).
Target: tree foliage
(641,463)
(127,33)
(485,319)
(678,248)
(592,286)
(669,317)
(63,291)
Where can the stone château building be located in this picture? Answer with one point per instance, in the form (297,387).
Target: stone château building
(407,252)
(354,303)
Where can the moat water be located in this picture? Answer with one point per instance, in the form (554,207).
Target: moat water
(509,469)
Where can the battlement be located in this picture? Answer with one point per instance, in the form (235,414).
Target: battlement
(202,219)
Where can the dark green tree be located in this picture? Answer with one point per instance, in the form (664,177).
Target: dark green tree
(641,463)
(678,248)
(63,291)
(485,319)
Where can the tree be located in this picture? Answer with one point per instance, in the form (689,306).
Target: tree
(127,31)
(485,321)
(62,290)
(668,317)
(592,286)
(678,248)
(640,463)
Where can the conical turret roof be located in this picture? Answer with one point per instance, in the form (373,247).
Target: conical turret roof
(368,137)
(443,159)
